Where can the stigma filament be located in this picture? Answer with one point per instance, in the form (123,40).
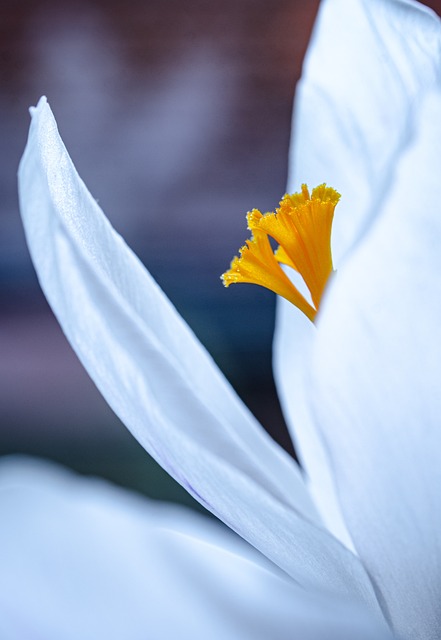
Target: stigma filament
(301,226)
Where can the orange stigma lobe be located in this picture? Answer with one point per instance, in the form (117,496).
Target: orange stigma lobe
(301,226)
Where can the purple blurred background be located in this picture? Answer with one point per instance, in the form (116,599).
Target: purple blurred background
(177,115)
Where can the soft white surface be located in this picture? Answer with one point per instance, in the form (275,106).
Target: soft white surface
(375,387)
(159,380)
(368,64)
(82,559)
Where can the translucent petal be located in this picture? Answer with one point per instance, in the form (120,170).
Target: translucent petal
(83,559)
(367,64)
(158,378)
(368,61)
(375,387)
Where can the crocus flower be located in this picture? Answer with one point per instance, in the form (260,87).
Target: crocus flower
(359,386)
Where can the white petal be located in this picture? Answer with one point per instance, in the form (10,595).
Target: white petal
(368,61)
(293,341)
(160,381)
(82,559)
(375,388)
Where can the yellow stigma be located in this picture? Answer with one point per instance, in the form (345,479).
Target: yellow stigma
(302,228)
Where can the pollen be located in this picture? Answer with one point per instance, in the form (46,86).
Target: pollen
(301,227)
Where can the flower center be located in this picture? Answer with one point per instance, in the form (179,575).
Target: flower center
(301,226)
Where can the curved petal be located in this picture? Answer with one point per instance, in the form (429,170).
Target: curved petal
(375,388)
(159,380)
(293,341)
(368,61)
(367,64)
(83,559)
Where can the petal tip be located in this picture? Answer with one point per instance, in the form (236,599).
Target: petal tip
(41,104)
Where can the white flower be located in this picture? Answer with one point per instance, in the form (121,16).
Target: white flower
(360,391)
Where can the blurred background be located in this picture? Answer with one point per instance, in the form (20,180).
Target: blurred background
(177,116)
